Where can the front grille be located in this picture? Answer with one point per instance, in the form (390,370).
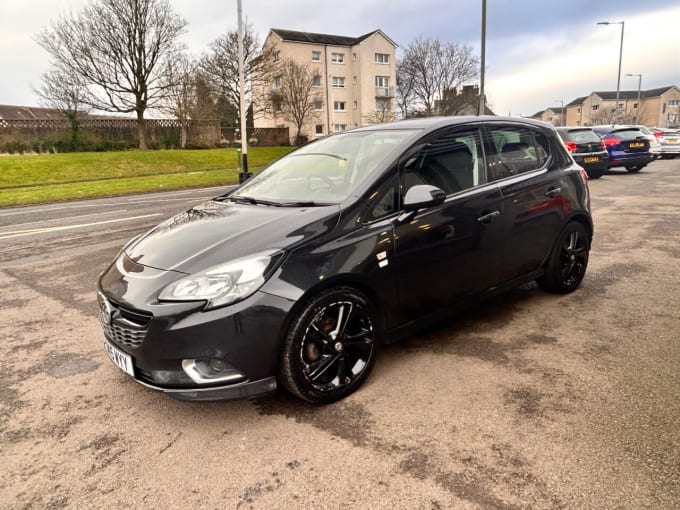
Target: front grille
(122,325)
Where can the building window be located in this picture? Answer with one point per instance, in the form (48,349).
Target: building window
(316,56)
(382,58)
(339,106)
(673,102)
(277,56)
(634,106)
(277,105)
(356,105)
(278,81)
(318,105)
(316,81)
(578,110)
(354,57)
(338,82)
(382,81)
(596,107)
(339,127)
(619,106)
(319,129)
(338,58)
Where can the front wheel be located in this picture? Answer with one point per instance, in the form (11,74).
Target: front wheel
(568,261)
(633,169)
(330,346)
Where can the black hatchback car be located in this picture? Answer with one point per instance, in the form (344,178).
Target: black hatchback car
(297,276)
(587,149)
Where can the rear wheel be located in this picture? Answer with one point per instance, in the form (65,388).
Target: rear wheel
(330,347)
(633,169)
(568,261)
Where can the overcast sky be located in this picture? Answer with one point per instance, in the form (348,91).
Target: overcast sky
(538,53)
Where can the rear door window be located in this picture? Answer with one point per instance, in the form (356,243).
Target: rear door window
(518,150)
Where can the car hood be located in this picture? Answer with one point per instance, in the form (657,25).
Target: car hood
(216,232)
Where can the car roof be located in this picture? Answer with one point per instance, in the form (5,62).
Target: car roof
(433,123)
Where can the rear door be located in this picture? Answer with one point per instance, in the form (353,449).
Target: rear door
(532,196)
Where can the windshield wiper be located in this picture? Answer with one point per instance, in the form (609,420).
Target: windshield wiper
(304,203)
(252,200)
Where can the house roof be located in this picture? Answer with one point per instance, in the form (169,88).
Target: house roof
(577,101)
(657,92)
(12,112)
(330,39)
(623,94)
(538,114)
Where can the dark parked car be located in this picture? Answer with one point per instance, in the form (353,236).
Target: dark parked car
(587,149)
(351,241)
(627,146)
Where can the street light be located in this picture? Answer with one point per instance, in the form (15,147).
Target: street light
(561,101)
(637,110)
(480,106)
(618,79)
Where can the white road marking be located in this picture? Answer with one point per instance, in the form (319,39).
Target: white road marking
(21,233)
(67,218)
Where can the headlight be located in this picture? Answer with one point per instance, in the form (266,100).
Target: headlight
(223,284)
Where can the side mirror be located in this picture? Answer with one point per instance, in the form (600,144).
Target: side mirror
(422,196)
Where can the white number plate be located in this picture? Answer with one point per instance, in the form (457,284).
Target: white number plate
(119,358)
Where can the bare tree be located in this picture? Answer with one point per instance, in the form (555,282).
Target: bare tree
(295,95)
(384,112)
(405,84)
(220,68)
(181,93)
(65,92)
(429,68)
(120,49)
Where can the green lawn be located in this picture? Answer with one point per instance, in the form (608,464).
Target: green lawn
(34,179)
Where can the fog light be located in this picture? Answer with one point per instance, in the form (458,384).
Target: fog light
(217,365)
(211,371)
(169,377)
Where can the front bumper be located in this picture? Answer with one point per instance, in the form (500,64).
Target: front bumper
(165,341)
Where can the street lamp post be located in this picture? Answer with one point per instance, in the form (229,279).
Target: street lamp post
(480,107)
(618,79)
(562,120)
(637,110)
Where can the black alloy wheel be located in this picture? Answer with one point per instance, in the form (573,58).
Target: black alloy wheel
(330,347)
(568,261)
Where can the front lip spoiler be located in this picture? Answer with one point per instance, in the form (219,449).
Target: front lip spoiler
(248,389)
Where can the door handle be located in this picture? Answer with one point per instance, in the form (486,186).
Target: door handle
(486,218)
(553,192)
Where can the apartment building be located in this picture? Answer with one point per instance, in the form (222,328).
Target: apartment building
(356,79)
(658,107)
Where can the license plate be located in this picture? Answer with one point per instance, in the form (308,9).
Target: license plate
(635,145)
(119,358)
(672,140)
(591,159)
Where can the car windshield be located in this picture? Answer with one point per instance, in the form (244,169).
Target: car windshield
(324,172)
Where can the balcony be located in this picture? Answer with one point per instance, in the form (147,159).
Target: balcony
(384,92)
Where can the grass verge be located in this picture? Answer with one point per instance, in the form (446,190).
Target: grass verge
(55,177)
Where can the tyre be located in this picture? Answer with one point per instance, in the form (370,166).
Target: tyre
(633,169)
(595,174)
(568,260)
(330,347)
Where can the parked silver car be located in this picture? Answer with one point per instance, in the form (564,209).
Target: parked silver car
(669,140)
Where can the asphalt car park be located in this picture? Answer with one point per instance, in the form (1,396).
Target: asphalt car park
(524,401)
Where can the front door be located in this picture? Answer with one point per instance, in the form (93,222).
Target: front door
(450,250)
